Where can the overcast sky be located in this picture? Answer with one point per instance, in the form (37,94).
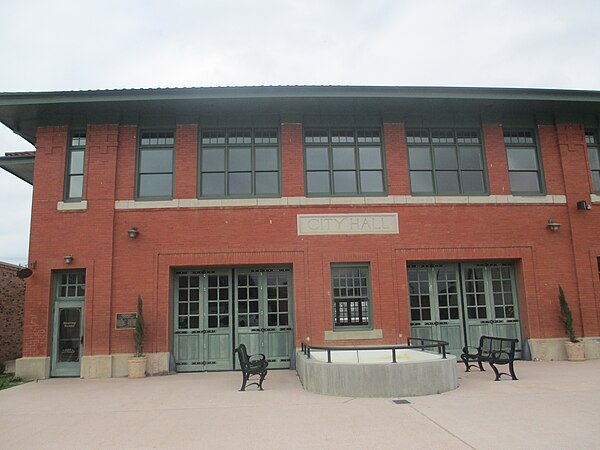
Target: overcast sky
(73,45)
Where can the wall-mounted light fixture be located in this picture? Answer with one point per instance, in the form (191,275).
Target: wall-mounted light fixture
(553,225)
(583,205)
(68,259)
(133,232)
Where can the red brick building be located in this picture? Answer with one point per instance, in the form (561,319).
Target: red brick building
(274,215)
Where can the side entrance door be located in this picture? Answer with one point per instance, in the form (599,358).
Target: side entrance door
(202,330)
(263,313)
(434,297)
(67,324)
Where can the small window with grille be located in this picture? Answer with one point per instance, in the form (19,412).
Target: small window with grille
(155,165)
(75,166)
(524,168)
(351,296)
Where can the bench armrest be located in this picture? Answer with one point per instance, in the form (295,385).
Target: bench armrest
(471,350)
(257,357)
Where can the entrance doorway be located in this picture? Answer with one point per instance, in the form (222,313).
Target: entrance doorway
(67,329)
(215,310)
(460,302)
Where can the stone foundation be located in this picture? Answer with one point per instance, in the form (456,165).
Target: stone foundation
(554,349)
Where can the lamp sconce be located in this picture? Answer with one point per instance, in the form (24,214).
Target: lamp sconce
(553,225)
(583,205)
(68,259)
(133,232)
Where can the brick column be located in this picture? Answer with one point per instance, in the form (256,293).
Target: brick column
(292,160)
(186,161)
(396,159)
(495,152)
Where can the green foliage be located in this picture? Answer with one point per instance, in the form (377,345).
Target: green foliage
(138,334)
(8,381)
(565,315)
(2,367)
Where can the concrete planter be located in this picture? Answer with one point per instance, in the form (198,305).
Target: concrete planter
(136,367)
(575,351)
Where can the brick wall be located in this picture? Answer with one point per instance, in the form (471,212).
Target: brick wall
(119,268)
(12,301)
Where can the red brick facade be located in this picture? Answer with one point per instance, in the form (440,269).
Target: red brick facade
(12,302)
(119,268)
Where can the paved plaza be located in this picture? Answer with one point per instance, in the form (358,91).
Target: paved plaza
(554,405)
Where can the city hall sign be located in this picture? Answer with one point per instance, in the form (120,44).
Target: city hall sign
(315,224)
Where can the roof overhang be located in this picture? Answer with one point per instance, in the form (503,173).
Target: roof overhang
(19,164)
(23,112)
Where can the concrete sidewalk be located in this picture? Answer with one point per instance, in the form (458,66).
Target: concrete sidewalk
(554,405)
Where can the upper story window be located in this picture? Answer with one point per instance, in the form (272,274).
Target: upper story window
(75,166)
(344,162)
(155,165)
(445,162)
(239,163)
(523,160)
(591,139)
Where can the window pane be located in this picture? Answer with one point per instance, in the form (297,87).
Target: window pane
(596,179)
(155,161)
(213,159)
(371,181)
(266,159)
(521,158)
(76,186)
(317,158)
(240,183)
(76,166)
(213,184)
(470,158)
(524,182)
(240,159)
(344,182)
(343,158)
(594,160)
(267,182)
(419,158)
(445,158)
(421,182)
(370,158)
(472,182)
(159,185)
(447,182)
(317,183)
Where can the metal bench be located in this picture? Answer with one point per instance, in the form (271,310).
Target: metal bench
(254,365)
(494,351)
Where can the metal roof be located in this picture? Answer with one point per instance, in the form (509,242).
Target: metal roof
(20,164)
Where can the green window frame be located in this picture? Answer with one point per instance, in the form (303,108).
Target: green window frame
(75,166)
(591,139)
(351,296)
(70,285)
(344,162)
(524,162)
(239,162)
(446,161)
(155,165)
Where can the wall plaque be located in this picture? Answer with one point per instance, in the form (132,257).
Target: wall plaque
(125,321)
(314,224)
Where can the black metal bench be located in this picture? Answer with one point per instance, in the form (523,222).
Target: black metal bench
(494,351)
(254,365)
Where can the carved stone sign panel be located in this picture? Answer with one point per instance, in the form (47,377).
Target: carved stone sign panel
(315,224)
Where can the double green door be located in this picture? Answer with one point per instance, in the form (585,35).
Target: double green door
(216,310)
(459,303)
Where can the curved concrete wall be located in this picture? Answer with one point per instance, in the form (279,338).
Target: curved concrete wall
(402,379)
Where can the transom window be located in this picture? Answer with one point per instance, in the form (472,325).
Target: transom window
(344,161)
(71,285)
(523,162)
(155,164)
(591,139)
(351,295)
(75,164)
(445,162)
(239,163)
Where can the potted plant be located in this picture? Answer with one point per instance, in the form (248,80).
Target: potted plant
(136,365)
(574,347)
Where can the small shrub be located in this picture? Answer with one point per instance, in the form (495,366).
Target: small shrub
(566,317)
(2,367)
